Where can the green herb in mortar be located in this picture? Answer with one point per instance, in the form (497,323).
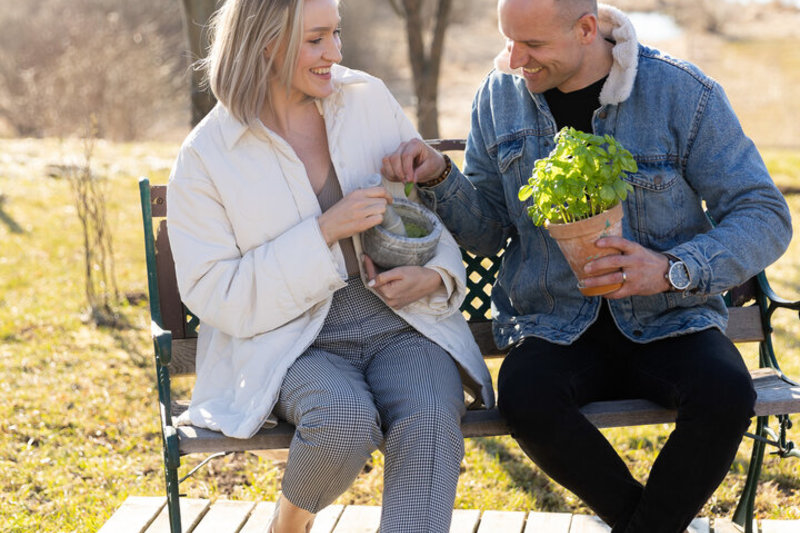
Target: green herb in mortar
(414,231)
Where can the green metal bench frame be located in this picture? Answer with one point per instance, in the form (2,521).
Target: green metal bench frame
(174,332)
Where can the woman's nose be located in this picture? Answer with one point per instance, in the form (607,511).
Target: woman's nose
(333,52)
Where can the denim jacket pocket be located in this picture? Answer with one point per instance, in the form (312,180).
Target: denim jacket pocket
(656,208)
(510,160)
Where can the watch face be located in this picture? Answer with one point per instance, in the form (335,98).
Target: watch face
(679,275)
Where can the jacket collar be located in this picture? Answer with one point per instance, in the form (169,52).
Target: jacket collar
(233,130)
(617,27)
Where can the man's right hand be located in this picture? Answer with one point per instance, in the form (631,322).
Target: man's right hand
(413,161)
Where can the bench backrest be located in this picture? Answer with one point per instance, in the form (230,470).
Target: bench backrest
(745,324)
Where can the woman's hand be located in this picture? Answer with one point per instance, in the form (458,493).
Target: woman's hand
(402,285)
(356,212)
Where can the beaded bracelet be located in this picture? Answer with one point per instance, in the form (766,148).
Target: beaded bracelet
(448,166)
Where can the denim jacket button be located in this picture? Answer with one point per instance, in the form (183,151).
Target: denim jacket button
(637,333)
(603,114)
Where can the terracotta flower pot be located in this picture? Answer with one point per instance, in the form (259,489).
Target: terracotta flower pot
(577,243)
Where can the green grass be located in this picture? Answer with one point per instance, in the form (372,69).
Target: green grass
(78,413)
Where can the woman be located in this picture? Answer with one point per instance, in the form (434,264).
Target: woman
(266,202)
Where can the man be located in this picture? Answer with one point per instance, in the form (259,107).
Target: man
(660,336)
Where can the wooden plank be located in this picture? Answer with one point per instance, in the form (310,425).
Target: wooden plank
(259,519)
(225,516)
(183,356)
(134,515)
(775,396)
(327,519)
(505,521)
(192,510)
(582,523)
(198,440)
(723,525)
(548,522)
(744,324)
(465,520)
(700,525)
(780,526)
(359,519)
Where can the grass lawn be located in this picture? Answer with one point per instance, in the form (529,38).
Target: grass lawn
(78,414)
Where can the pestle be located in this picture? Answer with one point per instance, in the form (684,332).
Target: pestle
(391,220)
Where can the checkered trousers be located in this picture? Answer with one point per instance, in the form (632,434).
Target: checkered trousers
(369,381)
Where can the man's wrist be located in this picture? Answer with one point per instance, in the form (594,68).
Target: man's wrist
(448,166)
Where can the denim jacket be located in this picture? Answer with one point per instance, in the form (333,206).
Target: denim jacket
(690,150)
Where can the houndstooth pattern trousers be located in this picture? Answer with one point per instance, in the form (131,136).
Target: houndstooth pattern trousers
(371,381)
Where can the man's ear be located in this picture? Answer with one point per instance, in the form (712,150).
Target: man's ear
(586,28)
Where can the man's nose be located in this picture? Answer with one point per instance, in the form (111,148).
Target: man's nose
(517,57)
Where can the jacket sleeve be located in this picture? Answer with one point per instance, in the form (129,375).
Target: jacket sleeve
(447,260)
(753,224)
(241,293)
(472,205)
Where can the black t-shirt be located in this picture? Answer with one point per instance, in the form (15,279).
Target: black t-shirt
(575,108)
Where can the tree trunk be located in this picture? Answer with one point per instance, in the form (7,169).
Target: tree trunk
(425,64)
(195,18)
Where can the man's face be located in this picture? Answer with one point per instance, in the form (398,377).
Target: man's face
(543,41)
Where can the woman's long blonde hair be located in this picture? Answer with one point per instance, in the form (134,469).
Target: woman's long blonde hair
(237,68)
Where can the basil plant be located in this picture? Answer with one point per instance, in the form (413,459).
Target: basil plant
(580,178)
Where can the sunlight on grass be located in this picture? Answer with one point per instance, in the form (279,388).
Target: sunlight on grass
(78,416)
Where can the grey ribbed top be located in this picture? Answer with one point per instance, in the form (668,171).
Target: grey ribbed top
(331,193)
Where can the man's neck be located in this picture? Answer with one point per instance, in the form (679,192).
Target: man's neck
(596,66)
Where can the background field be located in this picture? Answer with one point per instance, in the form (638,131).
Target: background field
(78,417)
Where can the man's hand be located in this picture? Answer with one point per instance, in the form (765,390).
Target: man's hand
(413,161)
(402,285)
(644,270)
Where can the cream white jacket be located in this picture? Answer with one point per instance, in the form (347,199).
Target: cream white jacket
(252,264)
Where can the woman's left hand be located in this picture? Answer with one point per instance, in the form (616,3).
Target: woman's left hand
(402,285)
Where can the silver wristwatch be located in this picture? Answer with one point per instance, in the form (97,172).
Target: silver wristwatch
(677,274)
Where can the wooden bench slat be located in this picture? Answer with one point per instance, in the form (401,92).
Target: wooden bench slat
(582,523)
(192,510)
(539,522)
(359,519)
(134,515)
(225,516)
(259,518)
(506,521)
(327,518)
(465,520)
(775,396)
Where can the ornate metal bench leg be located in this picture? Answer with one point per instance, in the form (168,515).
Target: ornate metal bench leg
(171,463)
(744,510)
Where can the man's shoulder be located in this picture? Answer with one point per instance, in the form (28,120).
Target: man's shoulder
(506,85)
(660,66)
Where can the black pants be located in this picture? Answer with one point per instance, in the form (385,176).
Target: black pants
(543,385)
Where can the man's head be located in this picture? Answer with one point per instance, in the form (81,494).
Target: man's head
(555,42)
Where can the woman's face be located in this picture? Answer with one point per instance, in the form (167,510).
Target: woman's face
(320,48)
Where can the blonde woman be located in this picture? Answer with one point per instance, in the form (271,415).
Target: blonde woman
(266,202)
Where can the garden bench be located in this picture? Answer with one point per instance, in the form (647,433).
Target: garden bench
(174,331)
